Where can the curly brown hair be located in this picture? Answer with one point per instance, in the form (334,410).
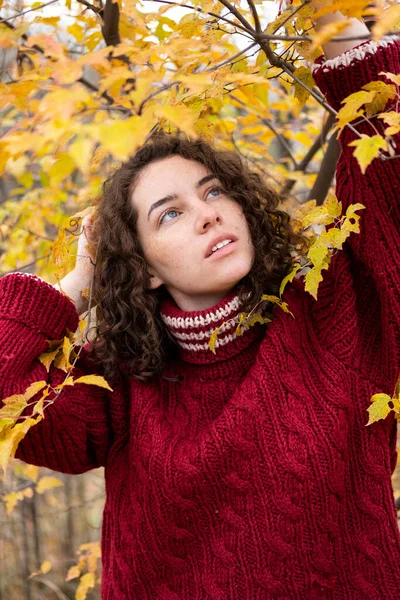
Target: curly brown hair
(130,331)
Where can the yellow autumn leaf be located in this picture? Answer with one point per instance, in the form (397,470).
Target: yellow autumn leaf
(317,254)
(81,151)
(351,221)
(352,107)
(61,168)
(75,571)
(67,349)
(180,115)
(6,423)
(34,388)
(367,149)
(86,583)
(60,252)
(31,471)
(386,21)
(47,483)
(94,380)
(257,318)
(66,72)
(305,76)
(242,319)
(77,32)
(121,138)
(289,278)
(379,408)
(48,357)
(277,301)
(213,340)
(9,439)
(391,118)
(13,406)
(392,77)
(45,567)
(38,409)
(316,216)
(53,21)
(383,93)
(12,498)
(60,362)
(328,31)
(334,237)
(312,280)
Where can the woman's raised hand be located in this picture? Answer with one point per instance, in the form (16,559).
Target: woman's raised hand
(80,278)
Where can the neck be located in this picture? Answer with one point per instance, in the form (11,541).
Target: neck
(199,302)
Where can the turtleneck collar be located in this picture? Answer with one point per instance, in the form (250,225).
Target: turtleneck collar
(192,330)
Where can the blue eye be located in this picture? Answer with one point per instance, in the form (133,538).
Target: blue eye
(169,212)
(215,189)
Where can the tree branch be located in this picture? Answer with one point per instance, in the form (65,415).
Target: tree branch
(110,27)
(326,172)
(303,164)
(253,9)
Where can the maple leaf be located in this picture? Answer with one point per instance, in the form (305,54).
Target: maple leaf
(383,93)
(379,408)
(367,149)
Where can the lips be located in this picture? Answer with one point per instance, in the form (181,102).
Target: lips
(217,240)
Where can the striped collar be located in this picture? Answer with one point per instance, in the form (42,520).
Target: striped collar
(192,330)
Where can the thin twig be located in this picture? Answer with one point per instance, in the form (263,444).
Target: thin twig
(155,93)
(28,10)
(96,9)
(230,59)
(289,17)
(199,10)
(278,135)
(26,266)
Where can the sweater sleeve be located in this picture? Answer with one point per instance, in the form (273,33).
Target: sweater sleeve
(357,314)
(74,435)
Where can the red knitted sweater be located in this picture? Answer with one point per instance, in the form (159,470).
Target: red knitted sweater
(254,476)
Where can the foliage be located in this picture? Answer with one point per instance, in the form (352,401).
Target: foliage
(382,405)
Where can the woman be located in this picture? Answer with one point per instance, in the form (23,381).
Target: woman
(248,473)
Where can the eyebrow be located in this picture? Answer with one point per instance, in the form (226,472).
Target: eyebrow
(162,201)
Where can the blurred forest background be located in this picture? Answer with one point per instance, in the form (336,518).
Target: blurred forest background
(82,85)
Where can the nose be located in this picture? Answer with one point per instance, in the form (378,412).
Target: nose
(207,216)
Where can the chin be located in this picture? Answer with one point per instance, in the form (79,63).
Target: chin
(236,272)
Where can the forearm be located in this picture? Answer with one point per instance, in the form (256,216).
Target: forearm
(355,28)
(72,286)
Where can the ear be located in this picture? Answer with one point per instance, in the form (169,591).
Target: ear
(155,282)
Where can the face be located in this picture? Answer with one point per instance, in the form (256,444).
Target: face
(184,216)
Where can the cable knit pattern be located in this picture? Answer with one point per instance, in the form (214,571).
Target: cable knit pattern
(249,474)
